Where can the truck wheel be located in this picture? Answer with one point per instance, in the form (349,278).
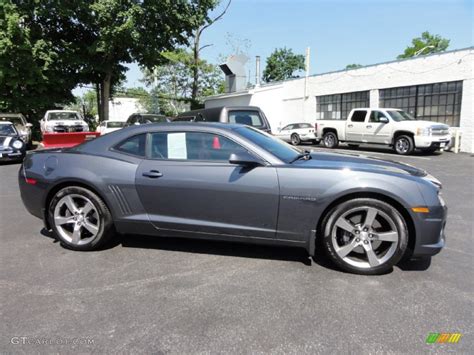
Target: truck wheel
(295,139)
(404,145)
(330,140)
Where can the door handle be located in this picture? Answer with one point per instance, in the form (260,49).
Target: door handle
(369,126)
(153,174)
(350,125)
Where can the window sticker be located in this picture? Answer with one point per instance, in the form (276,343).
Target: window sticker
(177,146)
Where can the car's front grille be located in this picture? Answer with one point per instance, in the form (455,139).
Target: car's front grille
(62,129)
(439,131)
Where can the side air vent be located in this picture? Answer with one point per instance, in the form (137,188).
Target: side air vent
(121,200)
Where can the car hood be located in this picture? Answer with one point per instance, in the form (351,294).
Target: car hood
(358,162)
(422,124)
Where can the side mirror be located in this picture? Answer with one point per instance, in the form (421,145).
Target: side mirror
(29,125)
(245,159)
(383,120)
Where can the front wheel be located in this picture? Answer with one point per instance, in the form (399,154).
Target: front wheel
(80,219)
(404,145)
(365,236)
(330,140)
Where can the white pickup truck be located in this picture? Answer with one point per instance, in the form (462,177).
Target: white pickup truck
(387,126)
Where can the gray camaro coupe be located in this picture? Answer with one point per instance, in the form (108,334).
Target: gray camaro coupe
(235,183)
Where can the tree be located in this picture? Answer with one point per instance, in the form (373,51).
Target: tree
(173,83)
(426,44)
(33,74)
(197,48)
(96,38)
(353,66)
(282,64)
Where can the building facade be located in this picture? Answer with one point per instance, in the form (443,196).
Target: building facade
(437,87)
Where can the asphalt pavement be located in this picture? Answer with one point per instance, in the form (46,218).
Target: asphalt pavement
(162,295)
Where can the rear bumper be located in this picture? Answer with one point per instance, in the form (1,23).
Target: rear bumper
(430,232)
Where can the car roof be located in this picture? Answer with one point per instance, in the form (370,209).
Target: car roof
(6,123)
(55,111)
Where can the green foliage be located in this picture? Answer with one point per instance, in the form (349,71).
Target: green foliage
(282,64)
(33,76)
(172,82)
(353,66)
(48,47)
(426,44)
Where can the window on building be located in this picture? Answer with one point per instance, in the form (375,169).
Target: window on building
(338,106)
(439,102)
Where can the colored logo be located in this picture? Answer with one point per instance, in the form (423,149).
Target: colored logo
(441,338)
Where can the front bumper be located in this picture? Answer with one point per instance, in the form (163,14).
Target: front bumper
(439,142)
(11,155)
(430,231)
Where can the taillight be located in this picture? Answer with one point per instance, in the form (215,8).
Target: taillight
(31,181)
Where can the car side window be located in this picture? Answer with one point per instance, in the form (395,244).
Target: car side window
(134,145)
(287,128)
(192,146)
(375,116)
(358,116)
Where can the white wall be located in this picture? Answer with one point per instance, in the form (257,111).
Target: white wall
(120,108)
(285,102)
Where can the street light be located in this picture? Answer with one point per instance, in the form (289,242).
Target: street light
(417,53)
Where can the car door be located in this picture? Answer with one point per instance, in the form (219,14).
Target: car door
(376,131)
(355,128)
(285,132)
(188,185)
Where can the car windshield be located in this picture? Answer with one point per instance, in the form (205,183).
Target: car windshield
(154,118)
(63,116)
(7,130)
(277,147)
(400,116)
(115,124)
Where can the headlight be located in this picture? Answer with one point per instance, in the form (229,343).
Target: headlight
(423,131)
(17,144)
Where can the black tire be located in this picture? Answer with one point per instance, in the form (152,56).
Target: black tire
(101,212)
(389,252)
(330,140)
(295,139)
(404,145)
(353,145)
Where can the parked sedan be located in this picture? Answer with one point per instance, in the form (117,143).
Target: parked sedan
(235,183)
(295,133)
(12,147)
(109,126)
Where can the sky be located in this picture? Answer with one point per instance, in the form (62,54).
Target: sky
(339,32)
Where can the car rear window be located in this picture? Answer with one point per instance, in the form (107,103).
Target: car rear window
(249,118)
(134,145)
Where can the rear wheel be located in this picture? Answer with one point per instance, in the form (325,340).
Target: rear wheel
(80,219)
(295,139)
(365,236)
(330,140)
(404,145)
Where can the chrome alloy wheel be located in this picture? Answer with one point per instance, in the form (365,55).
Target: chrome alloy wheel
(329,140)
(76,219)
(365,237)
(402,145)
